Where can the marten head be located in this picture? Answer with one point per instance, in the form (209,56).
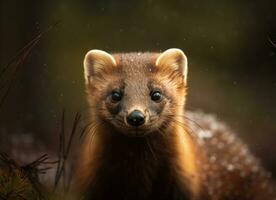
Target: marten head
(136,93)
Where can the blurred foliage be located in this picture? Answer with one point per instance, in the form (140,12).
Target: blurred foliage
(15,186)
(18,183)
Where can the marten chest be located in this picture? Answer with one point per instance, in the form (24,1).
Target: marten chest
(141,172)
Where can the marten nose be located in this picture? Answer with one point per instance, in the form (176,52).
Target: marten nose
(136,118)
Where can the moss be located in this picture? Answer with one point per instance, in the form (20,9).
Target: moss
(15,185)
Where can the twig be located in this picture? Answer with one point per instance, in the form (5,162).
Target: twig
(60,150)
(64,151)
(19,59)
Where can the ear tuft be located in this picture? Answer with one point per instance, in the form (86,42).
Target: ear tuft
(96,61)
(173,59)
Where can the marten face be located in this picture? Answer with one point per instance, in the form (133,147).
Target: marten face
(136,93)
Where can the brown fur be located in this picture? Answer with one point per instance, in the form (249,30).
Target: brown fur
(163,159)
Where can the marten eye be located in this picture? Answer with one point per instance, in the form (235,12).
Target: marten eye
(156,96)
(116,96)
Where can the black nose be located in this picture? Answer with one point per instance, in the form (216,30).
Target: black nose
(136,118)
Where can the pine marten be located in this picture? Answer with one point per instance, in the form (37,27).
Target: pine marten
(143,145)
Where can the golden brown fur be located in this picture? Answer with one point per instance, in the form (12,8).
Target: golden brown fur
(165,158)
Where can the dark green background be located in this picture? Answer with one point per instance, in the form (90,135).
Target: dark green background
(232,63)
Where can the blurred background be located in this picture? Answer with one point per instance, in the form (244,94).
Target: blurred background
(230,47)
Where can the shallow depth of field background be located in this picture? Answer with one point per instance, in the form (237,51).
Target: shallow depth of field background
(232,60)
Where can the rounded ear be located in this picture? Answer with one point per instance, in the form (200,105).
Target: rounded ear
(173,59)
(96,61)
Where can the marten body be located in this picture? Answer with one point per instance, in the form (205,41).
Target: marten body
(143,145)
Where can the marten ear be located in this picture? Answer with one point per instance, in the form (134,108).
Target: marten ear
(173,59)
(96,61)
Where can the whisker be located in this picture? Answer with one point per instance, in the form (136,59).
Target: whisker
(187,118)
(182,124)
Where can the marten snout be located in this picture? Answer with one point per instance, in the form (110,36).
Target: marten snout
(135,118)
